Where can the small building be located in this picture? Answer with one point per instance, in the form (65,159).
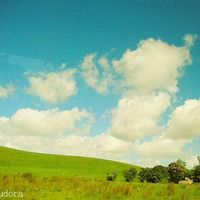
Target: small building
(186,181)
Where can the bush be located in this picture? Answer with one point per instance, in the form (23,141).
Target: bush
(130,174)
(111,176)
(176,172)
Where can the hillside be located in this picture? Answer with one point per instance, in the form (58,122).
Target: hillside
(14,161)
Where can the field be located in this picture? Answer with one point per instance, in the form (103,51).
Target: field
(46,165)
(59,188)
(51,177)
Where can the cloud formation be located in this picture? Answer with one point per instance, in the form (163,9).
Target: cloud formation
(151,74)
(160,148)
(149,77)
(138,116)
(49,122)
(101,146)
(53,87)
(98,79)
(184,121)
(154,65)
(5,91)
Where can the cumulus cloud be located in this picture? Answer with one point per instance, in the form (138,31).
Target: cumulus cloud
(184,121)
(160,148)
(101,146)
(5,91)
(163,151)
(48,122)
(137,116)
(191,161)
(53,87)
(154,65)
(98,79)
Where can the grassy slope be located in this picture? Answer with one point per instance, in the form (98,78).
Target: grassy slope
(14,161)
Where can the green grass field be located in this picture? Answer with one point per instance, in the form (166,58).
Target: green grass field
(56,177)
(47,165)
(59,188)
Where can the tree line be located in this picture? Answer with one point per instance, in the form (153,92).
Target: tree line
(174,172)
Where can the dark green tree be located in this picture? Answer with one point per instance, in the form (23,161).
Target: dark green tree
(130,174)
(162,171)
(188,173)
(196,174)
(152,176)
(176,172)
(142,174)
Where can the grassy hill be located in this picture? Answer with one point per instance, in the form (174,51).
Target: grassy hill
(17,161)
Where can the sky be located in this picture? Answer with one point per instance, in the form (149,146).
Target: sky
(117,80)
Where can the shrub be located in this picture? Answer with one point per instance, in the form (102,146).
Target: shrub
(26,175)
(111,176)
(130,174)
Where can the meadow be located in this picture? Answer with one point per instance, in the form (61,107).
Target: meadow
(53,177)
(63,188)
(47,165)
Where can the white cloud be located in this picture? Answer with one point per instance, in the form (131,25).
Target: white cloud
(192,161)
(100,146)
(100,80)
(5,91)
(53,87)
(190,39)
(154,65)
(163,151)
(49,122)
(184,121)
(137,116)
(160,148)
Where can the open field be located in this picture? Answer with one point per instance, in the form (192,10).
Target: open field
(15,161)
(53,177)
(58,188)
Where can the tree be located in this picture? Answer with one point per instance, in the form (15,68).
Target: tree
(149,175)
(181,162)
(130,174)
(152,176)
(198,157)
(142,174)
(162,171)
(196,174)
(111,176)
(188,173)
(176,172)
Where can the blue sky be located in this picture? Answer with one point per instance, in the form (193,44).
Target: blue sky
(37,37)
